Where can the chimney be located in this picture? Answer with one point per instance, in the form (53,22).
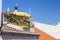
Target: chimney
(16,8)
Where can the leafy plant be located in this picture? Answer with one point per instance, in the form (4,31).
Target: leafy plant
(13,18)
(25,27)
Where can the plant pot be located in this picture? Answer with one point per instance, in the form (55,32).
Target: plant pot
(25,29)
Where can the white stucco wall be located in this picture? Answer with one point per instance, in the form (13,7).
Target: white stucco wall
(53,31)
(0,37)
(0,11)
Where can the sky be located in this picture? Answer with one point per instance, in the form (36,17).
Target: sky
(43,11)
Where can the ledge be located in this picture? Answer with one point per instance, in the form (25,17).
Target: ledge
(19,33)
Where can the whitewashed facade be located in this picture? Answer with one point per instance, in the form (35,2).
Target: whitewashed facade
(0,11)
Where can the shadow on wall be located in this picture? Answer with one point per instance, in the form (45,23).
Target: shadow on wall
(14,37)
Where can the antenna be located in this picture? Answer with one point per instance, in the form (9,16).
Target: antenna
(58,18)
(16,4)
(29,10)
(8,9)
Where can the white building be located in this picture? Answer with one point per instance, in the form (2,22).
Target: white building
(12,33)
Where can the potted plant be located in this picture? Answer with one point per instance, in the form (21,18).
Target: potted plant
(26,28)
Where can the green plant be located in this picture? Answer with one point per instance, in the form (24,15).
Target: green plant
(25,27)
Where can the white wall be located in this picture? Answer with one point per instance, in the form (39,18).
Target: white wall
(0,11)
(0,37)
(53,31)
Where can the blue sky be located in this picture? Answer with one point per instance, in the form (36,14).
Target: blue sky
(43,11)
